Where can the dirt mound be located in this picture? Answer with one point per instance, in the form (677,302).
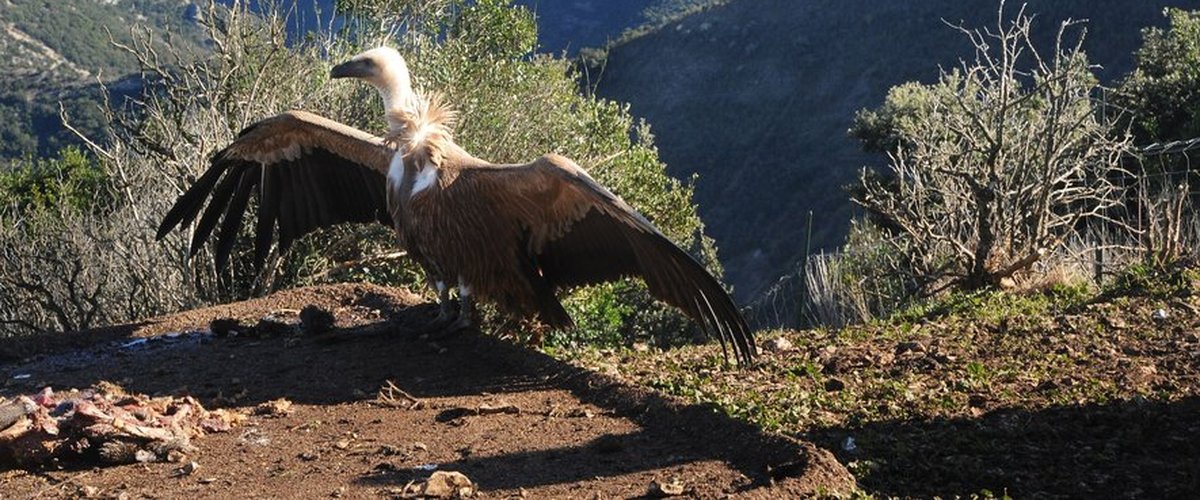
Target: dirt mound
(374,409)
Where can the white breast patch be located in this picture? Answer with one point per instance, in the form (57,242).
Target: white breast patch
(396,169)
(425,178)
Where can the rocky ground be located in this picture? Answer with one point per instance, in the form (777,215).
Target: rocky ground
(374,410)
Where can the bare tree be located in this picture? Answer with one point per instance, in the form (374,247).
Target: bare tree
(999,161)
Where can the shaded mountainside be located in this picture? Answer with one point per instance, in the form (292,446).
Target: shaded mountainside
(756,97)
(570,25)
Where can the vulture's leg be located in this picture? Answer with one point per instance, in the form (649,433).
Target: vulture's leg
(466,311)
(445,306)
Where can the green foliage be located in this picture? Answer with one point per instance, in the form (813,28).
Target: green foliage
(996,305)
(1145,279)
(1163,92)
(71,180)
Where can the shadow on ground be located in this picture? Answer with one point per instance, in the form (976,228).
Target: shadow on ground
(1122,449)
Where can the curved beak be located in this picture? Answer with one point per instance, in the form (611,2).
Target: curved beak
(354,68)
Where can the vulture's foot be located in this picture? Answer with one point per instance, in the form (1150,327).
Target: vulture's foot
(462,323)
(446,314)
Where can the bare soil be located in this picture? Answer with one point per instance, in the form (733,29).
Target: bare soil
(515,421)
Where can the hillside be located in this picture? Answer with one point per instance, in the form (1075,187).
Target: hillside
(566,26)
(59,51)
(756,96)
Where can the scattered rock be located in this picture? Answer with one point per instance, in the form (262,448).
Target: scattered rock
(672,487)
(274,409)
(187,469)
(1159,315)
(225,327)
(778,344)
(976,400)
(315,320)
(441,484)
(910,346)
(271,327)
(497,409)
(1114,322)
(310,456)
(849,446)
(581,412)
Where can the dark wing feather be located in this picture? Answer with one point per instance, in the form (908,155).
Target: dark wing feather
(309,173)
(580,233)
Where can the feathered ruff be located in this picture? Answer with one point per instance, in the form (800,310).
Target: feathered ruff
(427,134)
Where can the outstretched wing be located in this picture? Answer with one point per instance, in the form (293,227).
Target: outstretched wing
(581,233)
(310,172)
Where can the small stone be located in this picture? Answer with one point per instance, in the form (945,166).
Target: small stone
(420,446)
(1115,322)
(225,327)
(342,444)
(672,487)
(834,385)
(779,344)
(187,469)
(441,484)
(976,400)
(145,456)
(910,346)
(315,320)
(310,456)
(89,492)
(1159,315)
(275,409)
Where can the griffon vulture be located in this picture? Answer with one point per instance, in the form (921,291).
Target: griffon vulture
(512,235)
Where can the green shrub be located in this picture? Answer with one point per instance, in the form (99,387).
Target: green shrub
(72,180)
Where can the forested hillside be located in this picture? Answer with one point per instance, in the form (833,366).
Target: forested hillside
(61,51)
(756,97)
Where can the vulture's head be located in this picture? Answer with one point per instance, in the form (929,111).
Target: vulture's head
(384,68)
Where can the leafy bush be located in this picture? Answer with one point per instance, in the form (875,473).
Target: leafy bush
(1163,92)
(72,180)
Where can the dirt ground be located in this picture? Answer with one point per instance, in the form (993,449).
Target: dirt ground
(560,431)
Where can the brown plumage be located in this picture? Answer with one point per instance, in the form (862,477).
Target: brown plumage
(309,172)
(515,235)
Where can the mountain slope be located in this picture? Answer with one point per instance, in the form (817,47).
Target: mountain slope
(756,97)
(57,50)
